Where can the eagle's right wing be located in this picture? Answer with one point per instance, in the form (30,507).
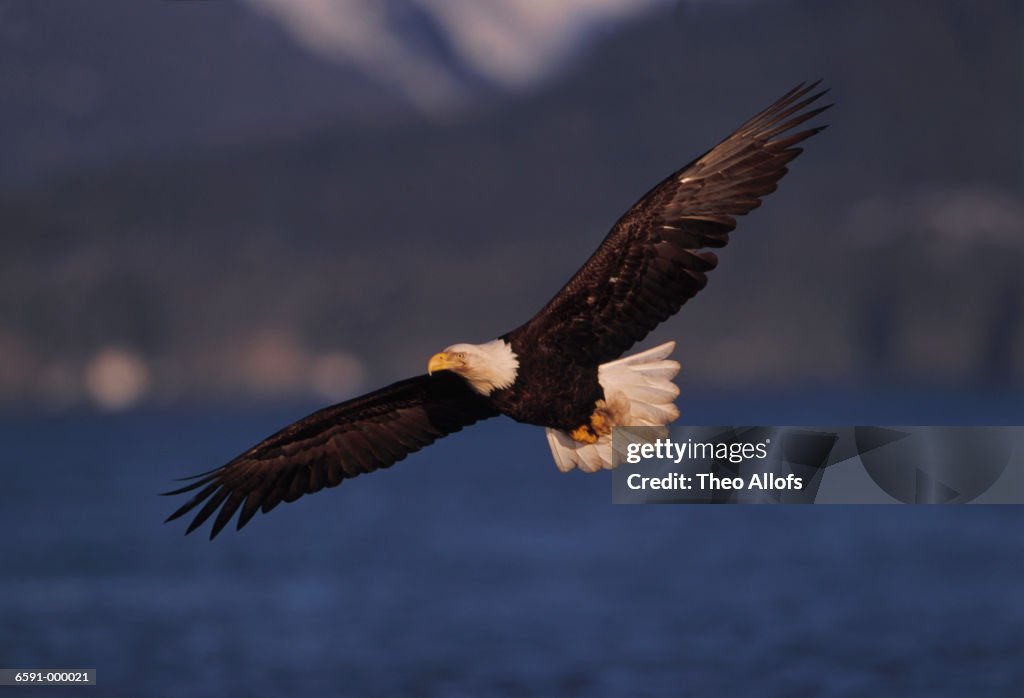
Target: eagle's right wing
(334,444)
(657,255)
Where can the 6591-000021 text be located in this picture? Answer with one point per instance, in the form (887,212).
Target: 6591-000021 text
(47,677)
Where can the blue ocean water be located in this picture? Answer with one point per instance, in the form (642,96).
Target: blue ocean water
(475,568)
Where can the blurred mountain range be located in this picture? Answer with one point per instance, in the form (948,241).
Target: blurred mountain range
(226,211)
(91,83)
(441,54)
(87,84)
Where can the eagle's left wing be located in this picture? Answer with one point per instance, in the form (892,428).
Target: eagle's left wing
(657,256)
(334,444)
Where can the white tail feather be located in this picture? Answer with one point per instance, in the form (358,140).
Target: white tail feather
(639,391)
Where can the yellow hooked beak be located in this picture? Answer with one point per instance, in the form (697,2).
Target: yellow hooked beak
(439,362)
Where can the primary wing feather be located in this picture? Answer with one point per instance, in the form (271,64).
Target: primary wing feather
(334,444)
(657,255)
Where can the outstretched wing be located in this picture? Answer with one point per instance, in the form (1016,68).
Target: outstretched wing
(334,444)
(656,256)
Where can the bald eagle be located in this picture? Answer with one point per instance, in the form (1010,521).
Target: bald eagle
(562,369)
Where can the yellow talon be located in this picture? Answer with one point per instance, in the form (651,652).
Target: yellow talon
(584,435)
(600,424)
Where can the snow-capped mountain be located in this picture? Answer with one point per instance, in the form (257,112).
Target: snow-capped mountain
(438,53)
(92,83)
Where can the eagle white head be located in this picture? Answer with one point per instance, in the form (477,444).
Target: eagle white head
(486,367)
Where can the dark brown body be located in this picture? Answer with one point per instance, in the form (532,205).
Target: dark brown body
(550,390)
